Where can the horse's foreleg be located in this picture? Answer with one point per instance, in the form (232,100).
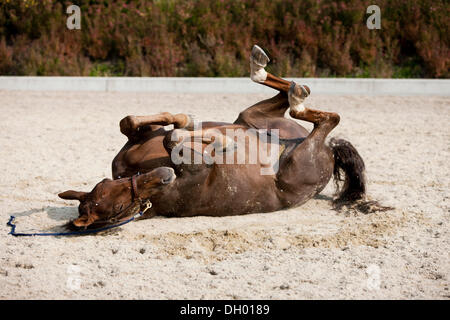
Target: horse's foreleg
(206,136)
(130,124)
(196,146)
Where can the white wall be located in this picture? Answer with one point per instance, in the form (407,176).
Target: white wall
(227,85)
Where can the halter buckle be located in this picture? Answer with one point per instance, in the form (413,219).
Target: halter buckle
(146,205)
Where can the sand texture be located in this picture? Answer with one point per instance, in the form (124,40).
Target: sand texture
(54,141)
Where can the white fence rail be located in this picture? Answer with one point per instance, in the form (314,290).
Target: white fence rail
(342,86)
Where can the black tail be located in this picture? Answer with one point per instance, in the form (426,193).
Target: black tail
(349,163)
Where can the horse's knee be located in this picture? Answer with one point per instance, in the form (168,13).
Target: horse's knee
(183,121)
(327,122)
(243,118)
(127,125)
(179,120)
(333,119)
(167,117)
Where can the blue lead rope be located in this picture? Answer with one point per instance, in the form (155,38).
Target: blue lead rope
(73,233)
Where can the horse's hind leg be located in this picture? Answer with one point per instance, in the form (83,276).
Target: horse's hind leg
(305,170)
(132,124)
(257,115)
(323,121)
(258,61)
(314,155)
(269,114)
(316,161)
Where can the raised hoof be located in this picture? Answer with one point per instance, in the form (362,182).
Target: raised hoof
(258,60)
(296,95)
(259,57)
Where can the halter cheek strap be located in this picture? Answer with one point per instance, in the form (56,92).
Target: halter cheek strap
(134,187)
(145,204)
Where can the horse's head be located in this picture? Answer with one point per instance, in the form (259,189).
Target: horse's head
(112,201)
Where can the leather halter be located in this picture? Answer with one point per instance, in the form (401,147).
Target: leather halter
(134,188)
(135,197)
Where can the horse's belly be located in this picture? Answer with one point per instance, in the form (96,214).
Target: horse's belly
(219,193)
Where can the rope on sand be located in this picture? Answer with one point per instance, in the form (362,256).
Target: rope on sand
(73,233)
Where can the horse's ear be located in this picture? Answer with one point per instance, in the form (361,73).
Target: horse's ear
(85,221)
(72,195)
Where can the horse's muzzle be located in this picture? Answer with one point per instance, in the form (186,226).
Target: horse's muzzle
(168,176)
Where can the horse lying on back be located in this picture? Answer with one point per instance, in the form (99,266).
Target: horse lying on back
(215,170)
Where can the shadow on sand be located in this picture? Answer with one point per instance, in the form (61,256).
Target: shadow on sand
(62,214)
(54,213)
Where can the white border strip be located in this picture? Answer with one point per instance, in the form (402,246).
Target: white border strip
(344,86)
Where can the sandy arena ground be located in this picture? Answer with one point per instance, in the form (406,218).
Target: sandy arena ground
(52,142)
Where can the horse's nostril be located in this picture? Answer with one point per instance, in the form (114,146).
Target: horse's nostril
(169,176)
(168,179)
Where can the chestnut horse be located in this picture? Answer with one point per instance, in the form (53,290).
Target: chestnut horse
(145,170)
